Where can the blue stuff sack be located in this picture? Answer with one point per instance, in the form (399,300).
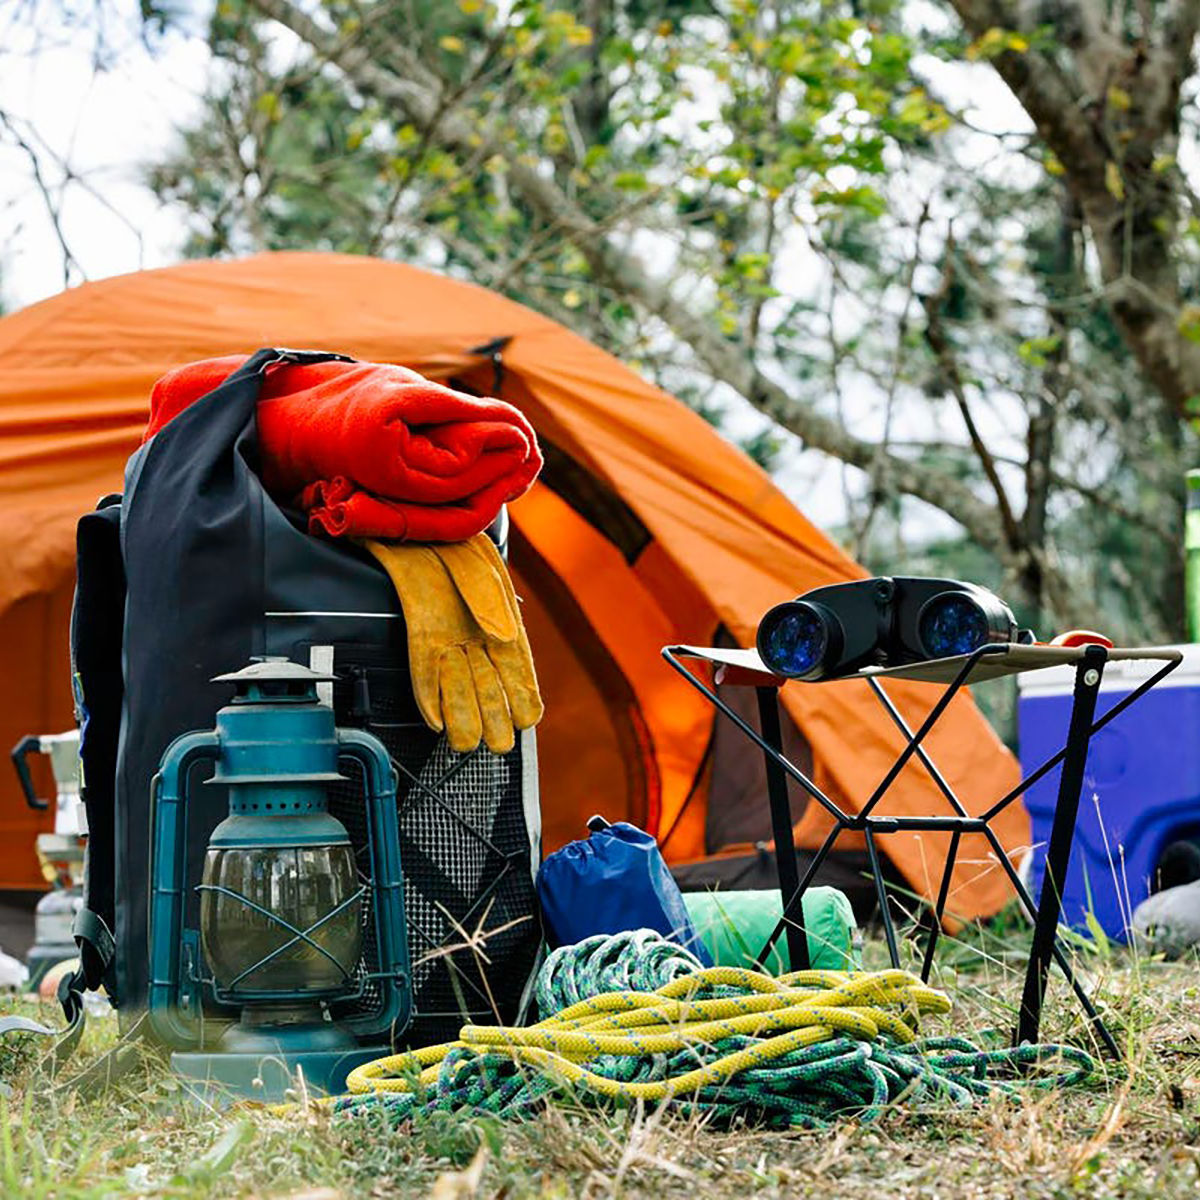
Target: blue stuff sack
(612,882)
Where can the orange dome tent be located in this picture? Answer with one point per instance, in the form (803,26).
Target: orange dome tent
(647,528)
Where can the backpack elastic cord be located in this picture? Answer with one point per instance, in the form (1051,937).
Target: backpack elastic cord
(109,1067)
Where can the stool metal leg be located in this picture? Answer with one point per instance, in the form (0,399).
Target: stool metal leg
(901,724)
(940,908)
(1064,964)
(1088,673)
(781,828)
(889,931)
(796,900)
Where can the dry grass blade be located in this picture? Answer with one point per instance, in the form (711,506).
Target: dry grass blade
(1134,1133)
(461,1185)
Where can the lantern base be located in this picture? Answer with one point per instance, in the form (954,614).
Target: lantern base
(272,1078)
(283,1029)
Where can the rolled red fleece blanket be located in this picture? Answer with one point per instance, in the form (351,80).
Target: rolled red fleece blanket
(374,450)
(341,510)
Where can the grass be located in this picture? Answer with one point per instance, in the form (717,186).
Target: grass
(1135,1133)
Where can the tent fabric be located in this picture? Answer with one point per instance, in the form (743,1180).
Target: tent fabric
(646,528)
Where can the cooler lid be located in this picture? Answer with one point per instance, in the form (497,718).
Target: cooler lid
(1120,675)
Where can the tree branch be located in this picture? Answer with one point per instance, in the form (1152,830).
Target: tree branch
(1108,152)
(939,343)
(1180,27)
(51,204)
(411,87)
(1053,101)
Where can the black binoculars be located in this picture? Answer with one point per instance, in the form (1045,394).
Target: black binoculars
(888,621)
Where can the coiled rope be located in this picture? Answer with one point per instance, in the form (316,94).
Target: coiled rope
(804,1049)
(638,961)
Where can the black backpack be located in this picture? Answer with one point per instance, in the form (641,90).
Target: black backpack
(190,574)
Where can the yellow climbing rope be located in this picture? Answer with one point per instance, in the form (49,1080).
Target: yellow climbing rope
(801,1050)
(783,1015)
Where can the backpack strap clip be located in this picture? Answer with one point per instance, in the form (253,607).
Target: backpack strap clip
(96,949)
(96,946)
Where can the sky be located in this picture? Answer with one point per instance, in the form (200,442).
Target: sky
(110,118)
(108,123)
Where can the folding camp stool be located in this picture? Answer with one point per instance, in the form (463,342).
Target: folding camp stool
(744,668)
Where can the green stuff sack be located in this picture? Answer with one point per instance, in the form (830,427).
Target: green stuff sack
(734,925)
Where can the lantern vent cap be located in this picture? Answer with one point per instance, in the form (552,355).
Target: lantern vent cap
(274,680)
(274,668)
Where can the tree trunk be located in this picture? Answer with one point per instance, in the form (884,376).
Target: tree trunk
(1113,125)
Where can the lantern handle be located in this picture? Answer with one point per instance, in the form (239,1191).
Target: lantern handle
(387,883)
(28,745)
(168,807)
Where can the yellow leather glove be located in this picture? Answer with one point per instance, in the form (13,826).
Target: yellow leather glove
(472,670)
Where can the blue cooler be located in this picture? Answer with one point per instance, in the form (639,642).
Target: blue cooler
(1141,787)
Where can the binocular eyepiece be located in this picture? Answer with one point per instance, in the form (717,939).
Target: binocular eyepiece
(888,621)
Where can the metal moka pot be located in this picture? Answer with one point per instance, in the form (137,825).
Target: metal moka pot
(60,853)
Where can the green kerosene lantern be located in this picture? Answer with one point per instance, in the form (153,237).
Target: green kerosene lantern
(275,981)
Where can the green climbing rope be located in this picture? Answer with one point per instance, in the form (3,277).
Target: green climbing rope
(638,961)
(635,1017)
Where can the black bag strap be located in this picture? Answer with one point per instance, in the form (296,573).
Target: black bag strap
(96,949)
(96,946)
(97,630)
(70,996)
(260,360)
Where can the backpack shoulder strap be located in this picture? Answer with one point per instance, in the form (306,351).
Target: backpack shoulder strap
(97,621)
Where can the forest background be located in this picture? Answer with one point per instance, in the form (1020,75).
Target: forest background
(932,262)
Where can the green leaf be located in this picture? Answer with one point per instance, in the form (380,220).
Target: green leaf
(630,181)
(1034,350)
(1189,322)
(1113,180)
(1119,99)
(1097,931)
(995,42)
(268,105)
(865,198)
(223,1153)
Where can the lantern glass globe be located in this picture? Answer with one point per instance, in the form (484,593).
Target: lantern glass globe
(300,884)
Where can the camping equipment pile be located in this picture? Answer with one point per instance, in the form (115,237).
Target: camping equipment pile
(318,972)
(380,708)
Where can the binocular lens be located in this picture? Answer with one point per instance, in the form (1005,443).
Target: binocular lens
(952,624)
(792,639)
